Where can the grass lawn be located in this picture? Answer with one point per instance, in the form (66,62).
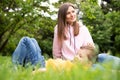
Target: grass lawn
(8,72)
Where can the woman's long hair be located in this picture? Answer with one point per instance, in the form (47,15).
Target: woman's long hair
(62,24)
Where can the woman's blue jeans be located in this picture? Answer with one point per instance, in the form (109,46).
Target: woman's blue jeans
(28,52)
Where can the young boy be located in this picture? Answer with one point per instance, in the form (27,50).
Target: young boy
(84,56)
(88,57)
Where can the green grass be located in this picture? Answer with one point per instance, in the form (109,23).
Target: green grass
(8,72)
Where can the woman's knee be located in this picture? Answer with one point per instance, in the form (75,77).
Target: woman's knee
(33,39)
(25,39)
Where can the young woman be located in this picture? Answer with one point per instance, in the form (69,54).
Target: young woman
(69,34)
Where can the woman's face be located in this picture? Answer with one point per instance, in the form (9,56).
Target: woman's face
(71,15)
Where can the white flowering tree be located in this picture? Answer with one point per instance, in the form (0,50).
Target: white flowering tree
(18,18)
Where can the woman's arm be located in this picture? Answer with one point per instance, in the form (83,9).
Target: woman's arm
(56,45)
(87,38)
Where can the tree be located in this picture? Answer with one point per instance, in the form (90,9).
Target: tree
(24,18)
(104,27)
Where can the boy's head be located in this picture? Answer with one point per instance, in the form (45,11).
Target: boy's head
(86,54)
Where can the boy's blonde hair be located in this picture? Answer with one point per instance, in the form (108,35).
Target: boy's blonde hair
(86,54)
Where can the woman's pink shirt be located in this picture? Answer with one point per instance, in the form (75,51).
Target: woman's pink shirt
(69,48)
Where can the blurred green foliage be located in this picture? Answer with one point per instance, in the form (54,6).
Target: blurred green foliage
(20,18)
(104,26)
(23,18)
